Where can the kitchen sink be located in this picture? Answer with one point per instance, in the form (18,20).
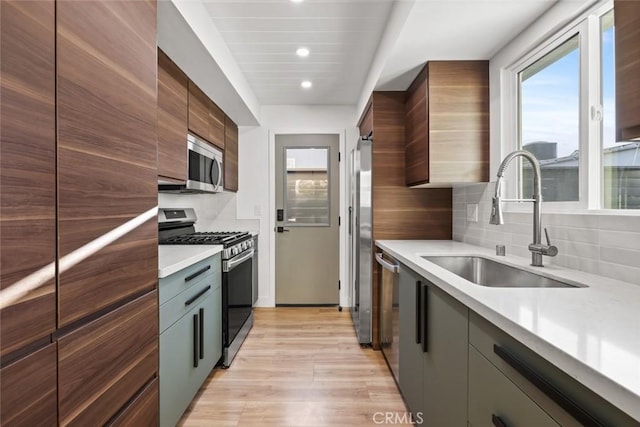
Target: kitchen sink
(487,272)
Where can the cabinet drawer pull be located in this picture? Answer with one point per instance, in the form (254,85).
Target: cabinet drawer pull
(418,311)
(196,296)
(425,314)
(195,340)
(577,412)
(497,421)
(202,333)
(197,273)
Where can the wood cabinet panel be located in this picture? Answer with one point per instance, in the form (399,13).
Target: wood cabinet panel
(230,155)
(172,119)
(216,125)
(447,124)
(416,126)
(198,111)
(399,212)
(103,364)
(107,150)
(143,411)
(627,40)
(28,390)
(366,122)
(27,166)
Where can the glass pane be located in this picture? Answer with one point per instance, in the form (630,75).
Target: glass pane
(307,186)
(621,161)
(550,122)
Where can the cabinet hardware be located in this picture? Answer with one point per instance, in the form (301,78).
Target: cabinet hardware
(195,340)
(201,333)
(580,414)
(425,323)
(196,296)
(497,421)
(197,273)
(418,311)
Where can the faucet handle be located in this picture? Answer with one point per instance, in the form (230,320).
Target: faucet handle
(546,235)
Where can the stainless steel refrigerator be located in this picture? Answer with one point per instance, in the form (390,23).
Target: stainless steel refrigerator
(360,290)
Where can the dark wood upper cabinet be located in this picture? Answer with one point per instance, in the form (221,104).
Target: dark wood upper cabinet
(172,119)
(230,155)
(28,389)
(627,47)
(104,364)
(27,167)
(107,150)
(198,111)
(216,125)
(447,124)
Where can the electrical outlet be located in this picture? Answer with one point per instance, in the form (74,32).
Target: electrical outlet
(472,212)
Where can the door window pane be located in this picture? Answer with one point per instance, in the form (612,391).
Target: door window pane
(550,122)
(621,161)
(307,186)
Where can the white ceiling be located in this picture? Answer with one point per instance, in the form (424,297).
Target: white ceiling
(263,35)
(455,29)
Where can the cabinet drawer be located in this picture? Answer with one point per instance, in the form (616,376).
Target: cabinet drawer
(493,398)
(103,364)
(174,284)
(143,411)
(28,390)
(184,302)
(181,348)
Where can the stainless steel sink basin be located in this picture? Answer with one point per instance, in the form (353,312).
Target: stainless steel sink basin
(486,272)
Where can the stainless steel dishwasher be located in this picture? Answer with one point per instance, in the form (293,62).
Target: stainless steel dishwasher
(389,310)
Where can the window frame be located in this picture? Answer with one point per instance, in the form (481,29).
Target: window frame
(591,183)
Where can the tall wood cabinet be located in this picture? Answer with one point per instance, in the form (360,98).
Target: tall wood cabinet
(172,119)
(627,40)
(398,212)
(27,167)
(79,158)
(447,124)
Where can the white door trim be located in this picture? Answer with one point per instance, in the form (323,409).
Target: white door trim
(271,301)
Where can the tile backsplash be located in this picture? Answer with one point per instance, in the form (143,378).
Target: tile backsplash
(607,245)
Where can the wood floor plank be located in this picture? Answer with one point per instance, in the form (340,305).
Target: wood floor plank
(299,367)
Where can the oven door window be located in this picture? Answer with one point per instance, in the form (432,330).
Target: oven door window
(200,168)
(238,298)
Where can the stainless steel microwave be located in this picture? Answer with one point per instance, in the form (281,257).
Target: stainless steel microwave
(204,169)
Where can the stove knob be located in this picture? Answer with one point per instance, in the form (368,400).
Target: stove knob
(234,251)
(243,246)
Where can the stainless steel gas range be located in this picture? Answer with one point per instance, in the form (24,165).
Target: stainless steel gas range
(176,227)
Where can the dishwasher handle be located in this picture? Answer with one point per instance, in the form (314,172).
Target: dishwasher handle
(394,268)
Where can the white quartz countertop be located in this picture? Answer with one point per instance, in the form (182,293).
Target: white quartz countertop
(592,333)
(173,258)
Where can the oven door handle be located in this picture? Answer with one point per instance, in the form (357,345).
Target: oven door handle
(233,263)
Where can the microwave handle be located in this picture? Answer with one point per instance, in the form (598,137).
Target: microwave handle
(217,184)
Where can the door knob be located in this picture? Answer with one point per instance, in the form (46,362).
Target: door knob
(280,229)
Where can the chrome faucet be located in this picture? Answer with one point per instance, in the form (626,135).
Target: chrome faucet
(536,248)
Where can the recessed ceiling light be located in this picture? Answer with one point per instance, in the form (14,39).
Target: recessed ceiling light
(306,84)
(302,52)
(297,1)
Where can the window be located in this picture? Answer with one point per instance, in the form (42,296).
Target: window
(565,103)
(550,122)
(307,186)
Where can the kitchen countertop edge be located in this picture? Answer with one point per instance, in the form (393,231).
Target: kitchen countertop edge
(173,258)
(409,252)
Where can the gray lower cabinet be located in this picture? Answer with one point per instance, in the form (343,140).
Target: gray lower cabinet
(434,340)
(190,339)
(495,401)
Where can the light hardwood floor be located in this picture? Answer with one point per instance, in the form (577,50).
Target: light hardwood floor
(299,367)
